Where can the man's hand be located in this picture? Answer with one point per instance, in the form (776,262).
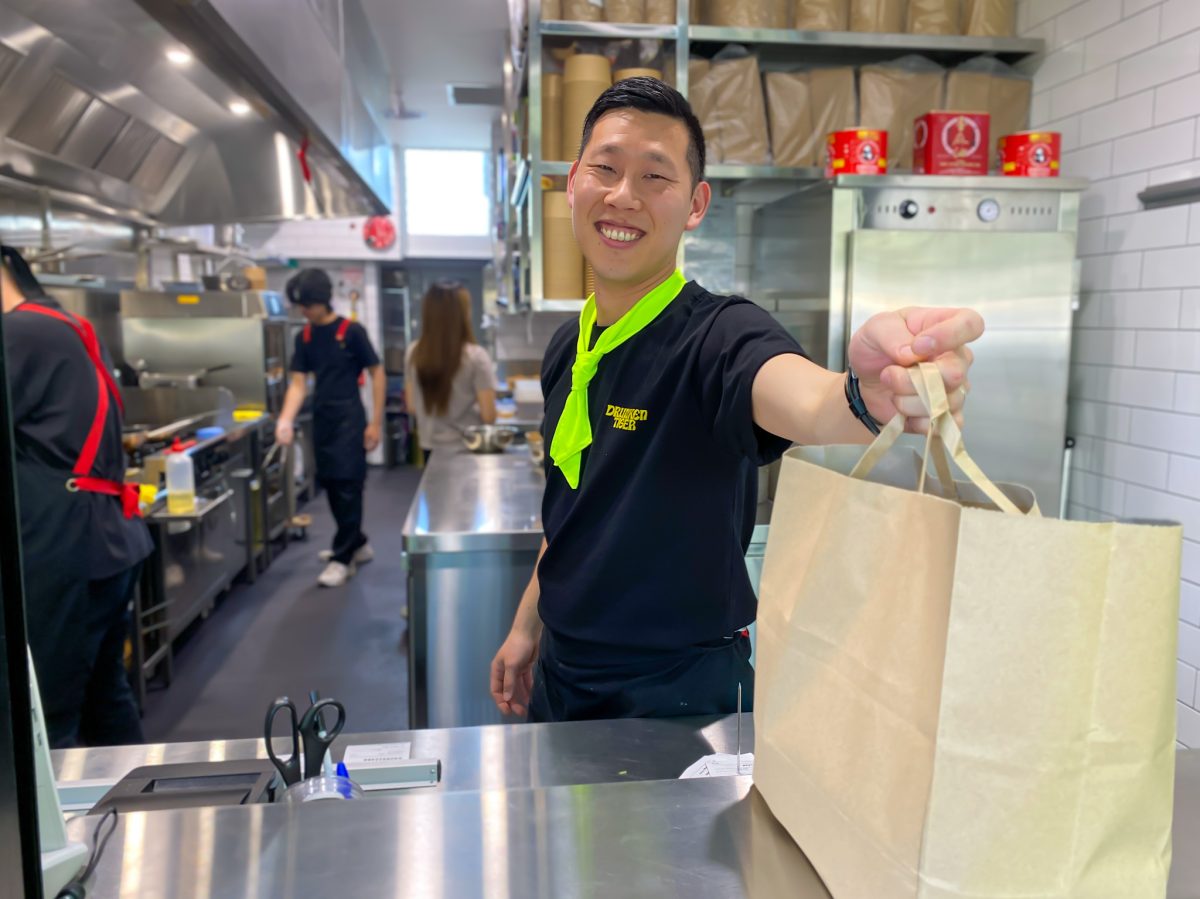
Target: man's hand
(285,432)
(512,674)
(371,437)
(891,342)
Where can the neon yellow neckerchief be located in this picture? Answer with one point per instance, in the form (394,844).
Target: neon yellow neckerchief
(573,434)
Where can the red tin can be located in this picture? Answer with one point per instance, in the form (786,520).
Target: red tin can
(860,151)
(951,143)
(1031,154)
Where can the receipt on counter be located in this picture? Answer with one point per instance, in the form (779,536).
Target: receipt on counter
(376,754)
(720,764)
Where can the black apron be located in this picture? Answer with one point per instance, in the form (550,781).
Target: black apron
(338,426)
(56,508)
(696,680)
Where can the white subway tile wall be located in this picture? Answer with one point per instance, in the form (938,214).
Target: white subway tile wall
(1121,81)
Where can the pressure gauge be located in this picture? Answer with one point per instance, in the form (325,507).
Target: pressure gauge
(989,211)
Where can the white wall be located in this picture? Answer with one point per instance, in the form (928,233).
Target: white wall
(1121,81)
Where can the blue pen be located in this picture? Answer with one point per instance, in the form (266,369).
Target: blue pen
(343,788)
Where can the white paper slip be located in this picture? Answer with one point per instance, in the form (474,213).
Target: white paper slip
(376,754)
(720,764)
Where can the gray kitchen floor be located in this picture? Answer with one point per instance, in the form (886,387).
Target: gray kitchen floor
(284,635)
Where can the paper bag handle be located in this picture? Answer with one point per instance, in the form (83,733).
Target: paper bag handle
(932,391)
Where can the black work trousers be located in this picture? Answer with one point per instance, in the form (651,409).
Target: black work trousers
(90,702)
(346,504)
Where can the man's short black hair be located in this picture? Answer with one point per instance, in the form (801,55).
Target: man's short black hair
(650,95)
(310,287)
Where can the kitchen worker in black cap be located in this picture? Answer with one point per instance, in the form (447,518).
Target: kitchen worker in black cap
(661,401)
(82,538)
(337,352)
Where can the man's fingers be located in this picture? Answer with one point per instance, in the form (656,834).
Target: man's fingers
(941,330)
(509,681)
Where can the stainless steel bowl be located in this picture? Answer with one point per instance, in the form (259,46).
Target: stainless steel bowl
(488,438)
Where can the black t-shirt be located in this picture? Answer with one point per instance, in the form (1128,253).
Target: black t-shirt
(648,554)
(52,382)
(336,364)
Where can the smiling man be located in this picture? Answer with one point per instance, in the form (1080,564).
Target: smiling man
(661,402)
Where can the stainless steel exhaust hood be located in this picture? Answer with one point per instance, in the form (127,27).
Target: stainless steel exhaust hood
(180,112)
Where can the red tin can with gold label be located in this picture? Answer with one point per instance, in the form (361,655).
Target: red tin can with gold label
(951,143)
(860,151)
(1031,154)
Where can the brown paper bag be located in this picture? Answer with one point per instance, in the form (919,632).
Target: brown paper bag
(892,96)
(624,10)
(660,12)
(736,118)
(990,18)
(822,15)
(740,13)
(583,10)
(954,702)
(886,16)
(933,17)
(804,107)
(992,87)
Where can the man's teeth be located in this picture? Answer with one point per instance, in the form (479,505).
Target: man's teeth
(617,234)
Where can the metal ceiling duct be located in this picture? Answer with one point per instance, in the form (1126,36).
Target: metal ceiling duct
(94,111)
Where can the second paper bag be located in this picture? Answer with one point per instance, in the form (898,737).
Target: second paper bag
(954,702)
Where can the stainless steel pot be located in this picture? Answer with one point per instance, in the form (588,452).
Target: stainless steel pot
(488,438)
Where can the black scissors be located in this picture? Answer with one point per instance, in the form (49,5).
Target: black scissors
(311,729)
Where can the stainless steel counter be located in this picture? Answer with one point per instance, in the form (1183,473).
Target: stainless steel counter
(469,502)
(471,540)
(505,757)
(695,838)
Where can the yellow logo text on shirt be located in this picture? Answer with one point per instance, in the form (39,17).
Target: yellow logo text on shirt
(625,419)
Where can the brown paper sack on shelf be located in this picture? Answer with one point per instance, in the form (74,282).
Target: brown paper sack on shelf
(954,701)
(739,13)
(622,74)
(891,97)
(552,111)
(551,10)
(624,10)
(583,10)
(884,16)
(562,261)
(737,113)
(822,15)
(1001,92)
(660,12)
(990,18)
(701,95)
(585,77)
(804,107)
(933,17)
(789,106)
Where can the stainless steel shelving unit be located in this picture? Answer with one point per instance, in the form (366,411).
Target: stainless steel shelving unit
(777,48)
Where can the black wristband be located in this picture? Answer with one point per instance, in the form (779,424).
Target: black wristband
(858,406)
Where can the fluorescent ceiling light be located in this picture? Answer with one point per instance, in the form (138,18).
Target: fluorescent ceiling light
(239,107)
(180,56)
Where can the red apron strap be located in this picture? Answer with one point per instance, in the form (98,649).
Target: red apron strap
(307,334)
(127,493)
(343,327)
(104,382)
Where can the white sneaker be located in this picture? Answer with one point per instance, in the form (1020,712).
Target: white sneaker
(335,574)
(362,555)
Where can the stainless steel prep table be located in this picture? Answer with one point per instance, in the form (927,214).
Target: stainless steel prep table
(699,838)
(471,540)
(506,756)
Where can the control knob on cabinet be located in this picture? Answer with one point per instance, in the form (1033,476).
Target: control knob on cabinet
(909,209)
(989,211)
